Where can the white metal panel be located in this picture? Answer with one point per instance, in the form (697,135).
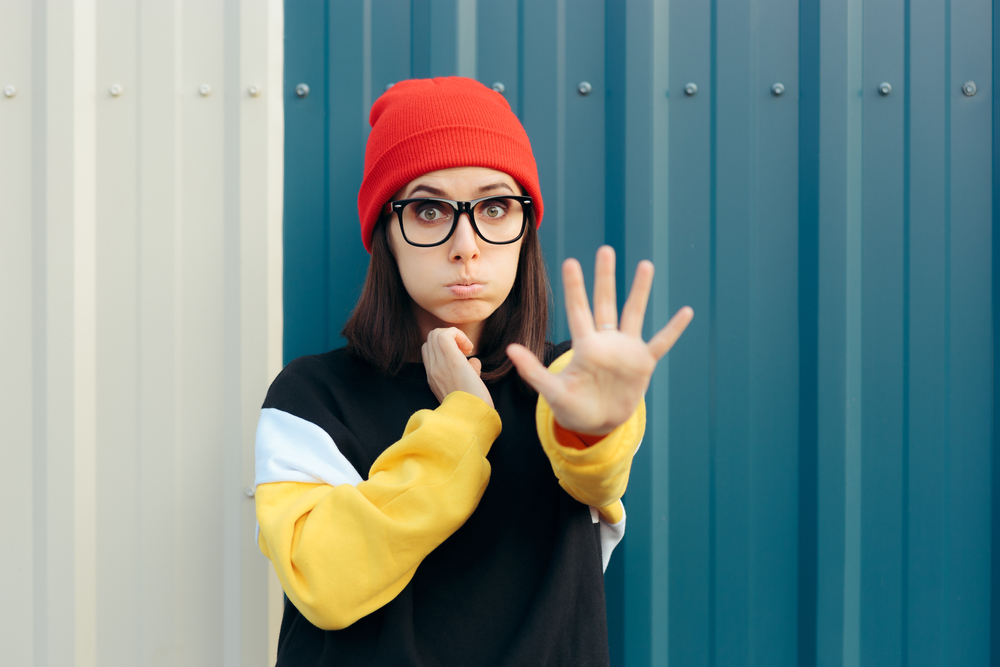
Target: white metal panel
(203,255)
(258,191)
(158,235)
(16,367)
(140,264)
(118,339)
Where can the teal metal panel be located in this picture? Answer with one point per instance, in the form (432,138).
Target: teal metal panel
(808,306)
(881,352)
(306,214)
(499,44)
(968,377)
(838,397)
(641,108)
(922,640)
(346,131)
(995,467)
(690,279)
(816,480)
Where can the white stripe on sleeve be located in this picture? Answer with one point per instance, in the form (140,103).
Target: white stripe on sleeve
(291,449)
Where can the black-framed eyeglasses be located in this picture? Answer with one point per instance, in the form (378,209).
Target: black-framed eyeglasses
(428,221)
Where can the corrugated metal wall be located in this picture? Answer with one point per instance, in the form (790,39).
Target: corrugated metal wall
(140,324)
(816,485)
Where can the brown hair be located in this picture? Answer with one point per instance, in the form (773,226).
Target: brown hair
(383,330)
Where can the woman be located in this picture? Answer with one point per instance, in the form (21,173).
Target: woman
(422,503)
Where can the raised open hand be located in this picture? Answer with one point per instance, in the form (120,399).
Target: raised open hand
(611,367)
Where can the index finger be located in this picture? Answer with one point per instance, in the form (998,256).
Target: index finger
(461,340)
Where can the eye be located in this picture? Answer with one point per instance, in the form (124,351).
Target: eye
(493,210)
(432,212)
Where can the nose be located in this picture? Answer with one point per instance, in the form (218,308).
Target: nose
(464,243)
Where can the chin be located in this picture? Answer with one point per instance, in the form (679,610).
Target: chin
(466,312)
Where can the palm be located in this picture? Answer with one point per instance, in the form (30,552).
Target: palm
(611,367)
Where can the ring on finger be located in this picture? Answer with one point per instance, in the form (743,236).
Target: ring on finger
(608,326)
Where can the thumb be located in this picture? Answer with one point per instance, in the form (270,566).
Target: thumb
(534,373)
(476,364)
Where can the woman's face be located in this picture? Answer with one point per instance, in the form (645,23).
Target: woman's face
(462,281)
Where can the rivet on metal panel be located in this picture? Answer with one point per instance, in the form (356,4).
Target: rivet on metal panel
(249,491)
(115,90)
(884,88)
(690,89)
(302,90)
(969,88)
(205,90)
(584,88)
(778,89)
(254,90)
(9,91)
(499,87)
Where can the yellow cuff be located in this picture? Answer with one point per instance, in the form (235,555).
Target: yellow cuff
(613,513)
(595,474)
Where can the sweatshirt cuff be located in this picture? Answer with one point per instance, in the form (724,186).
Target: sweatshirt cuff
(595,474)
(612,514)
(475,415)
(568,446)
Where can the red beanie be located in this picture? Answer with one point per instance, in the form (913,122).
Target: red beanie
(422,125)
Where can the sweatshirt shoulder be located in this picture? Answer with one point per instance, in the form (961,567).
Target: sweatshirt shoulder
(310,378)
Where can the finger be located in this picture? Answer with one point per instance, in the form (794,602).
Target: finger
(477,365)
(605,301)
(665,338)
(581,322)
(463,342)
(431,350)
(634,311)
(447,344)
(534,372)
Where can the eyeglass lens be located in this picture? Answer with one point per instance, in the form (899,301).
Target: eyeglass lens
(427,222)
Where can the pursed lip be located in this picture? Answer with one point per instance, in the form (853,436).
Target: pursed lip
(465,288)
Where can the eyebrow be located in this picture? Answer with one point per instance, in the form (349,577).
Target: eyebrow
(436,192)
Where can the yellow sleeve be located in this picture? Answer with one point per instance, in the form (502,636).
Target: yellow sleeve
(592,470)
(341,552)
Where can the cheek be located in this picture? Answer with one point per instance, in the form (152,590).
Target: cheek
(509,266)
(414,274)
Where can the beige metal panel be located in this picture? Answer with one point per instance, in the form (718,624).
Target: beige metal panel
(16,389)
(64,629)
(254,93)
(118,339)
(84,333)
(203,338)
(158,56)
(140,264)
(275,167)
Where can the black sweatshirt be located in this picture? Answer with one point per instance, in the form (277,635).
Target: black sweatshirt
(408,532)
